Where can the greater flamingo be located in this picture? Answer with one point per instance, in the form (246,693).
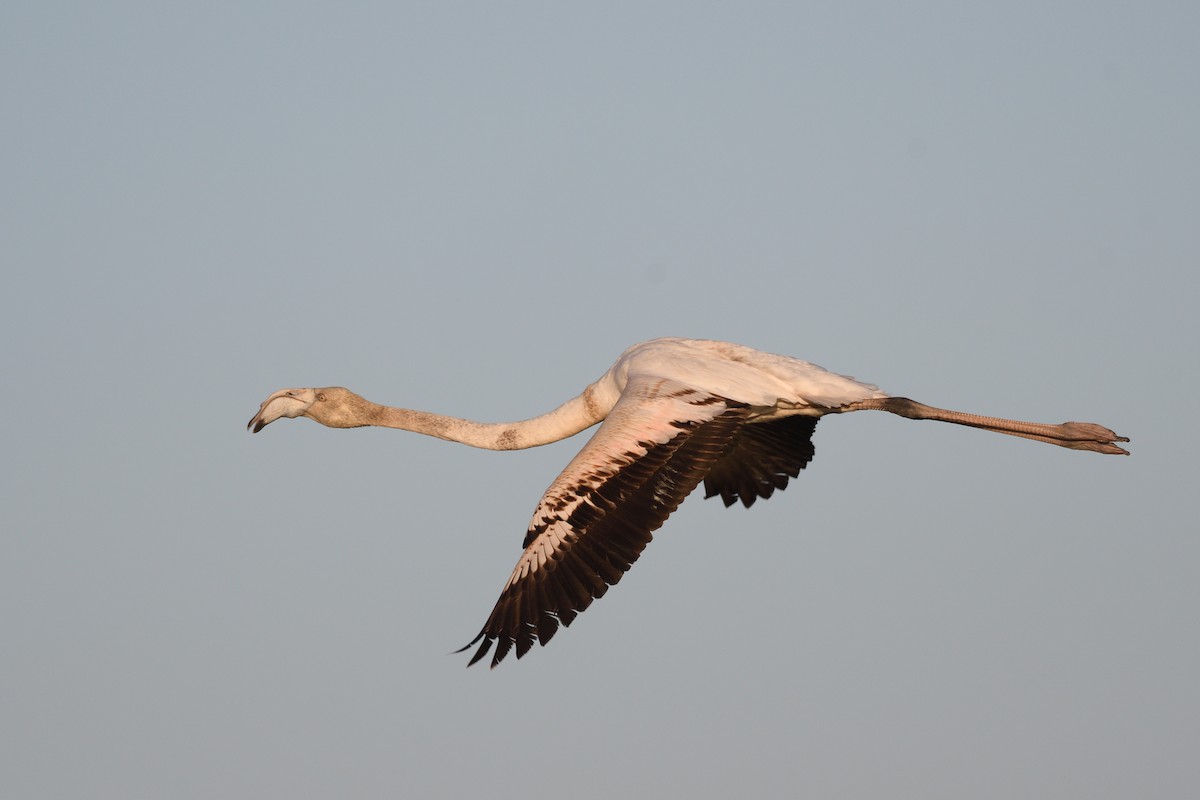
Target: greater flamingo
(675,412)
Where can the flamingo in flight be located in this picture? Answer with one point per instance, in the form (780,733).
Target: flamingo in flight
(675,412)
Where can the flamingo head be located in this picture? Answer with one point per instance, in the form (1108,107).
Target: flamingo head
(290,403)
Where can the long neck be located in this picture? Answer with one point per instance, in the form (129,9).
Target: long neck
(568,419)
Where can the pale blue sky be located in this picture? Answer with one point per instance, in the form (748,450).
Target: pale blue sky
(473,208)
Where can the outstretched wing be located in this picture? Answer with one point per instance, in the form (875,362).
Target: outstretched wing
(653,449)
(761,458)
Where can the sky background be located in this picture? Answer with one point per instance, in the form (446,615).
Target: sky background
(473,209)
